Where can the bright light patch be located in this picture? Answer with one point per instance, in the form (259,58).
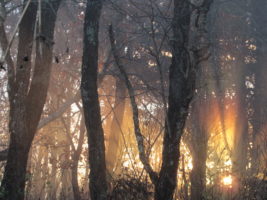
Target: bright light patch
(190,165)
(228,163)
(227,180)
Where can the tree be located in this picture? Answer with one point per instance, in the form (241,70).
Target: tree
(98,183)
(182,87)
(27,94)
(182,78)
(197,138)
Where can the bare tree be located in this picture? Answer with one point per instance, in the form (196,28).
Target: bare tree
(186,55)
(27,93)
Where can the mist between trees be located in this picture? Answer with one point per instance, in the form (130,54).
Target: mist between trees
(130,99)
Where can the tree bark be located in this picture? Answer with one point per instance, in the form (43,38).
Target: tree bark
(259,117)
(198,148)
(198,173)
(189,48)
(89,93)
(181,89)
(28,96)
(76,156)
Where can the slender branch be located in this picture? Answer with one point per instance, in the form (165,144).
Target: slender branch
(14,33)
(4,44)
(139,137)
(60,111)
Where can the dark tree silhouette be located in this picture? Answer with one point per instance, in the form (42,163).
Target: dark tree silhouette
(98,183)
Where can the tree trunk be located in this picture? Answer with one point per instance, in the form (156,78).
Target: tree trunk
(74,178)
(13,182)
(259,117)
(189,33)
(98,183)
(181,90)
(198,173)
(27,97)
(198,145)
(240,149)
(76,157)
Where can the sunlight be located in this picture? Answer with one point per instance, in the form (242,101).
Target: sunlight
(135,100)
(190,165)
(222,133)
(228,163)
(227,180)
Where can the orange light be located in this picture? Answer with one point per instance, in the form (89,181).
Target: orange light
(227,180)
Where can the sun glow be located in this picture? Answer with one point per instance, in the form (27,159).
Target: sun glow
(227,180)
(223,127)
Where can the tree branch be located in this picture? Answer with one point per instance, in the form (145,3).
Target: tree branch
(139,137)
